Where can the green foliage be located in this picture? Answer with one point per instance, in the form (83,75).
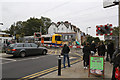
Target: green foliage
(27,28)
(115,31)
(95,39)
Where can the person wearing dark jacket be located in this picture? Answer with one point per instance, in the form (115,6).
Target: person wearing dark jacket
(116,62)
(65,52)
(93,48)
(101,49)
(110,50)
(86,51)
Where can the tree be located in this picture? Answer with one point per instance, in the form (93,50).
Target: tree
(115,31)
(95,39)
(27,28)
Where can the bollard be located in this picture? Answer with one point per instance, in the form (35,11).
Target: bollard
(59,66)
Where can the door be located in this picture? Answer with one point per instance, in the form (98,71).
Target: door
(28,48)
(35,49)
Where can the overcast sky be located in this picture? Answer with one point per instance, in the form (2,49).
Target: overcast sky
(82,13)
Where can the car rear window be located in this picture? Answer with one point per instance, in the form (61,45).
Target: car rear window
(12,45)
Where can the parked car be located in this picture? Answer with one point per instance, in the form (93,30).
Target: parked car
(25,49)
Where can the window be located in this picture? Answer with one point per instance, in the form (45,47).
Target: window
(62,28)
(20,45)
(47,38)
(54,29)
(33,45)
(58,38)
(27,45)
(71,36)
(66,37)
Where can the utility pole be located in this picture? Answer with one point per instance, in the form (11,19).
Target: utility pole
(119,22)
(40,29)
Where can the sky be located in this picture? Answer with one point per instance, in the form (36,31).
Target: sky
(81,13)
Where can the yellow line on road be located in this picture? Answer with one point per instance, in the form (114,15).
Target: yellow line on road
(42,73)
(45,71)
(39,72)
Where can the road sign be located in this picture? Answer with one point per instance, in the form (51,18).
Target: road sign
(109,3)
(96,65)
(110,37)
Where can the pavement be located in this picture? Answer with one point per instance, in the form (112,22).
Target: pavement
(77,71)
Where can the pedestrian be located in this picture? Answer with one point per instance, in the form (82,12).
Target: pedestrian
(86,54)
(65,52)
(116,64)
(93,48)
(103,49)
(99,49)
(110,50)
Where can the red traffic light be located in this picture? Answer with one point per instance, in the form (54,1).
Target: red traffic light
(106,27)
(99,28)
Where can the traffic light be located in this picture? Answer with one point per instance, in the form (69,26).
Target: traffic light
(100,30)
(37,35)
(104,29)
(108,29)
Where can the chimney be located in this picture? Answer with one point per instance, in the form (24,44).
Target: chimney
(66,21)
(58,22)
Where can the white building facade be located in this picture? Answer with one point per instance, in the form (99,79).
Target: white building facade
(68,31)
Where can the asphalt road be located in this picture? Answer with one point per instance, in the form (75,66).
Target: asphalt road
(21,67)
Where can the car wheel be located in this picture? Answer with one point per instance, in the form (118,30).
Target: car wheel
(22,54)
(44,52)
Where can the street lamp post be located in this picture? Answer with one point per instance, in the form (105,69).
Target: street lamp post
(87,30)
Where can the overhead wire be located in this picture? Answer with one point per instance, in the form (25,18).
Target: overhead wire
(56,7)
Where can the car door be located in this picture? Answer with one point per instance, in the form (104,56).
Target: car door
(28,48)
(34,48)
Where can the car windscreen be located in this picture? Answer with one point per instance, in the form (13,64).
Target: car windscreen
(12,45)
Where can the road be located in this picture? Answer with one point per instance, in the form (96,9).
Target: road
(34,66)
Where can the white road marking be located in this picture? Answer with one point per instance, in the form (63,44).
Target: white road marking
(8,59)
(7,62)
(24,59)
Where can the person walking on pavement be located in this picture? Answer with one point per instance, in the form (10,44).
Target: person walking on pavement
(65,52)
(86,51)
(101,49)
(93,48)
(116,64)
(110,50)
